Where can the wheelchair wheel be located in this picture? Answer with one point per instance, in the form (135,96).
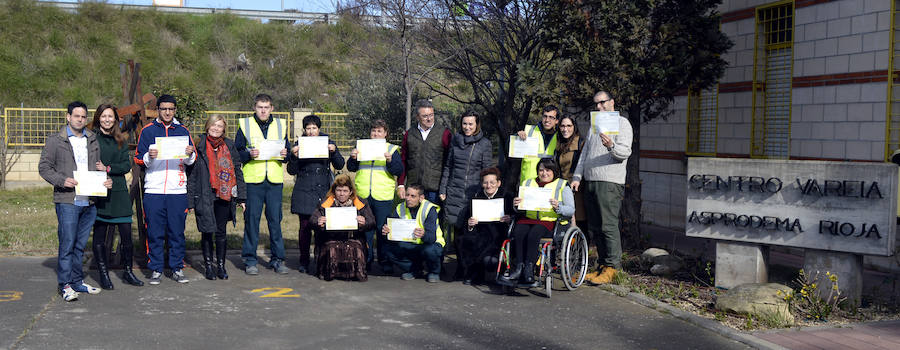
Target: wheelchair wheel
(503,260)
(574,259)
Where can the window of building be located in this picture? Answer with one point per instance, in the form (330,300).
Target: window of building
(702,121)
(772,73)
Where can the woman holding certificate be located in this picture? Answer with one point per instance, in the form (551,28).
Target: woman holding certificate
(567,153)
(341,223)
(470,152)
(488,221)
(215,188)
(543,201)
(114,210)
(312,176)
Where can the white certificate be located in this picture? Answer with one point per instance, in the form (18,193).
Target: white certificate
(269,149)
(605,123)
(527,148)
(487,210)
(312,147)
(90,183)
(171,147)
(402,229)
(341,218)
(535,198)
(371,149)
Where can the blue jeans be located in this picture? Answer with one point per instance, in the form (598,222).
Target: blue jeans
(381,210)
(433,197)
(73,229)
(258,195)
(165,222)
(410,256)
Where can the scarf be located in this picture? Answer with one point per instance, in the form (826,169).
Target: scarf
(221,169)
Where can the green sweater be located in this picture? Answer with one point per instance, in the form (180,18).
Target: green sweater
(118,160)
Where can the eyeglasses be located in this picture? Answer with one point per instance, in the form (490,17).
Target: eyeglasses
(603,101)
(547,116)
(164,109)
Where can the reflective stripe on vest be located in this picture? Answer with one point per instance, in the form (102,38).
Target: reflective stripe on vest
(424,208)
(373,179)
(529,164)
(255,171)
(557,193)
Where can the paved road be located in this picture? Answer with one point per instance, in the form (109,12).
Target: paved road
(383,313)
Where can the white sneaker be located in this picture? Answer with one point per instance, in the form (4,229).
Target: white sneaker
(86,288)
(178,276)
(155,277)
(69,294)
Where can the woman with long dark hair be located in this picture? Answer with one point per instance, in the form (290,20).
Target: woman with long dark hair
(114,210)
(567,153)
(215,188)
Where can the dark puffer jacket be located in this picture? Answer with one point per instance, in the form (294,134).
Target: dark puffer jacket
(312,179)
(200,193)
(468,155)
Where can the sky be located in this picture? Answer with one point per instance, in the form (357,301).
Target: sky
(269,5)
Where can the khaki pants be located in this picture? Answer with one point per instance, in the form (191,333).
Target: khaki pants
(603,201)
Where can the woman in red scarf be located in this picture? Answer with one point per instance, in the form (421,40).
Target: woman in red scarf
(215,188)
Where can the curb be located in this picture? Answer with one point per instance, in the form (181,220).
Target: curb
(689,317)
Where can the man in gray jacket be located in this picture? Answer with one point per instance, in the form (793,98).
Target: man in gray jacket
(73,148)
(602,168)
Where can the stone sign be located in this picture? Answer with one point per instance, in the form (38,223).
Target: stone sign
(834,206)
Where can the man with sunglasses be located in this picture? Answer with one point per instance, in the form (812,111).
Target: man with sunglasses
(602,167)
(546,133)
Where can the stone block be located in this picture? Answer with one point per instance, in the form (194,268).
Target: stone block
(812,113)
(835,113)
(849,44)
(815,31)
(881,60)
(847,93)
(804,50)
(864,24)
(746,26)
(859,150)
(827,11)
(726,100)
(811,149)
(801,130)
(838,27)
(849,8)
(837,64)
(873,92)
(805,15)
(815,66)
(743,99)
(876,6)
(878,152)
(876,41)
(758,299)
(795,147)
(871,131)
(859,112)
(848,268)
(862,62)
(799,96)
(833,149)
(879,111)
(824,94)
(739,263)
(846,131)
(884,20)
(826,47)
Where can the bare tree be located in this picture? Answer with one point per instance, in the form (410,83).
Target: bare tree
(9,156)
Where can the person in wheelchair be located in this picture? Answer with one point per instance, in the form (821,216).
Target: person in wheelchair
(531,226)
(478,247)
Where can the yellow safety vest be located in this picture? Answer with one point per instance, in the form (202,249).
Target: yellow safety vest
(529,164)
(557,193)
(255,171)
(373,179)
(424,207)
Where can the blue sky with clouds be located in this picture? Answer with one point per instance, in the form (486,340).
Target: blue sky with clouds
(269,5)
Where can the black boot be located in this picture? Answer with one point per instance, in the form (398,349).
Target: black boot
(100,257)
(513,276)
(220,259)
(127,274)
(206,246)
(528,277)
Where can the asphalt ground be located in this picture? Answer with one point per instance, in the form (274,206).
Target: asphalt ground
(299,311)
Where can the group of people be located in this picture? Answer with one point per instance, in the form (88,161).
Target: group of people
(430,179)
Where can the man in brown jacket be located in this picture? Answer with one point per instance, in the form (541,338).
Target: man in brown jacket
(73,148)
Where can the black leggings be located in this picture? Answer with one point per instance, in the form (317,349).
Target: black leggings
(100,229)
(222,211)
(526,238)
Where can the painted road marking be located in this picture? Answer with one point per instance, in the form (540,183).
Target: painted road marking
(279,292)
(10,295)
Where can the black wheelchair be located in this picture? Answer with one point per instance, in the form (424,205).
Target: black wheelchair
(563,256)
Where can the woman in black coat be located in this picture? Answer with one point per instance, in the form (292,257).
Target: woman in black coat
(215,198)
(479,246)
(470,152)
(313,177)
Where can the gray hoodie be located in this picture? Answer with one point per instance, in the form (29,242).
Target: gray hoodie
(598,163)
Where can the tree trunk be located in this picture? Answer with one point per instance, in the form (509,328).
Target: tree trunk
(630,214)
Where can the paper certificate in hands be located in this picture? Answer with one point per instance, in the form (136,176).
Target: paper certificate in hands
(370,149)
(402,229)
(341,218)
(90,183)
(605,123)
(269,149)
(487,210)
(312,147)
(535,198)
(527,148)
(171,147)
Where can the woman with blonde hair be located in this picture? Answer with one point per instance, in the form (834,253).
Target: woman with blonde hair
(215,188)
